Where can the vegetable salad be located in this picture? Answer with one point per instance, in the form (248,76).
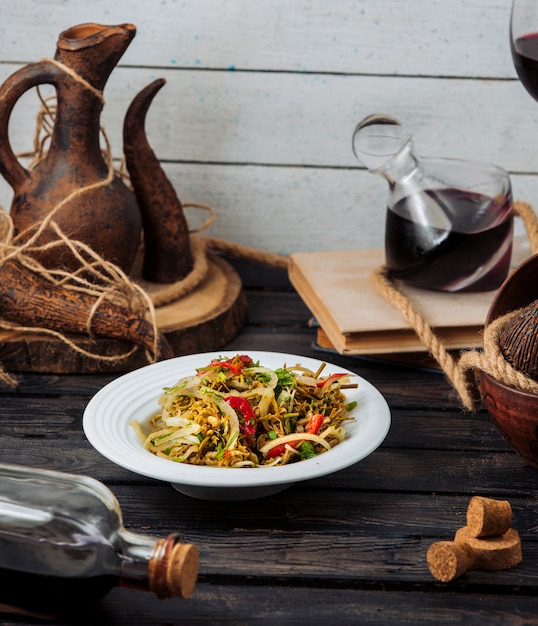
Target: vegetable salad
(235,412)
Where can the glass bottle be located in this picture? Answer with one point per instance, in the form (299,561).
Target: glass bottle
(63,546)
(449,222)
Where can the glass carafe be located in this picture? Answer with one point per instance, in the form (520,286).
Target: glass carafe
(449,222)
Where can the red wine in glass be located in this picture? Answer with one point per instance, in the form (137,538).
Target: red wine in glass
(525,57)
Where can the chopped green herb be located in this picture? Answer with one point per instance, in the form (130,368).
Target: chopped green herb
(221,451)
(307,450)
(285,377)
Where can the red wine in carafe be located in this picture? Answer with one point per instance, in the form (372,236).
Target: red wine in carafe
(467,248)
(525,56)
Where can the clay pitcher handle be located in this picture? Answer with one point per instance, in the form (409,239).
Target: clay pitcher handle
(13,88)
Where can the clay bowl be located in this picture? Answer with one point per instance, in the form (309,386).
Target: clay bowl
(514,412)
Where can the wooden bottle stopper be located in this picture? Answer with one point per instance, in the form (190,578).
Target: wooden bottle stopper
(492,553)
(447,560)
(173,568)
(182,570)
(487,517)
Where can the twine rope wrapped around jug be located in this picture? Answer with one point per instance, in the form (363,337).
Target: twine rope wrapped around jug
(461,372)
(109,282)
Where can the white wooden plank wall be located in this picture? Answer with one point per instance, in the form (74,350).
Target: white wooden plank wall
(262,98)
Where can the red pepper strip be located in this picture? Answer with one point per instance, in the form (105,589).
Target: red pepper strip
(225,364)
(330,379)
(249,425)
(314,423)
(235,365)
(279,450)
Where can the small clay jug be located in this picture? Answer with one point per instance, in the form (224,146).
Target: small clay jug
(106,217)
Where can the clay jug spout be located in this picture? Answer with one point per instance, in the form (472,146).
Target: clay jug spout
(94,50)
(167,252)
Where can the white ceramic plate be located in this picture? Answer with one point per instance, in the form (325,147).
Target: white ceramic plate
(134,396)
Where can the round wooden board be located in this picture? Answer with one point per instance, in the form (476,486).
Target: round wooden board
(202,321)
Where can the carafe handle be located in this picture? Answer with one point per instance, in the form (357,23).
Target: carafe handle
(10,92)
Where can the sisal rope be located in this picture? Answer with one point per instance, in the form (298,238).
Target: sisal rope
(108,282)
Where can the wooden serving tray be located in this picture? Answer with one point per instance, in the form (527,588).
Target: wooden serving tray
(204,320)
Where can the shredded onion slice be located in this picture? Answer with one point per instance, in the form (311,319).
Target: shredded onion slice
(293,437)
(267,396)
(273,378)
(308,381)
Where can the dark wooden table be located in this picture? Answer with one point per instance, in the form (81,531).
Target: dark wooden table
(349,548)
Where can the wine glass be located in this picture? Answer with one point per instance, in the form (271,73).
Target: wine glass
(524,43)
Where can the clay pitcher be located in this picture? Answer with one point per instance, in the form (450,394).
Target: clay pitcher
(106,217)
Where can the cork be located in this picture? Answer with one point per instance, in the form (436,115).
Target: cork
(447,560)
(492,553)
(173,568)
(487,517)
(487,542)
(182,570)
